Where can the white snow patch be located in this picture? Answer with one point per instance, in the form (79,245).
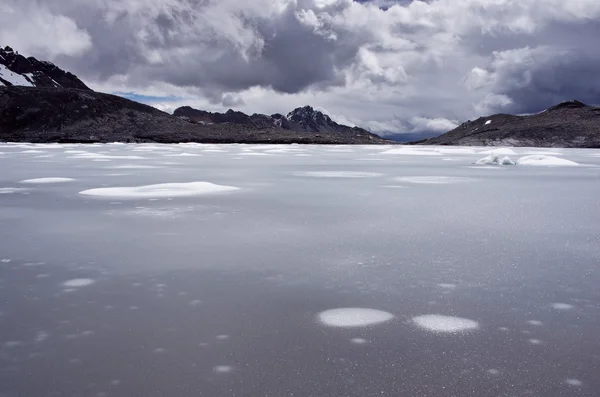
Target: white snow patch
(222,337)
(10,190)
(562,306)
(493,371)
(41,336)
(434,180)
(32,151)
(495,159)
(338,174)
(47,180)
(574,382)
(160,190)
(535,341)
(535,322)
(223,369)
(6,260)
(449,150)
(412,152)
(445,324)
(78,282)
(353,317)
(184,154)
(500,151)
(91,156)
(545,160)
(13,78)
(358,341)
(488,122)
(159,350)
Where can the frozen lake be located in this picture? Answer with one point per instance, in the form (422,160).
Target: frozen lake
(254,270)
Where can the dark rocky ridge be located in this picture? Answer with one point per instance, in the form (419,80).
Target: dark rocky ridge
(301,120)
(568,124)
(37,73)
(52,114)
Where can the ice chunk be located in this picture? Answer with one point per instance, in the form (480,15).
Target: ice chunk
(160,190)
(545,160)
(445,324)
(47,180)
(353,317)
(78,282)
(495,159)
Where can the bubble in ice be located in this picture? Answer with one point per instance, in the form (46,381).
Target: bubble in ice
(78,282)
(445,324)
(353,317)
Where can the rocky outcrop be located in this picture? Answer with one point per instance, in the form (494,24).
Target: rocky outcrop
(568,124)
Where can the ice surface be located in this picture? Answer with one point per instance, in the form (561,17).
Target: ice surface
(445,324)
(353,317)
(78,282)
(433,180)
(160,190)
(562,306)
(495,159)
(412,152)
(47,180)
(338,174)
(499,151)
(545,160)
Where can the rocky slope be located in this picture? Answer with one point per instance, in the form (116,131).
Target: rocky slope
(52,114)
(15,69)
(569,124)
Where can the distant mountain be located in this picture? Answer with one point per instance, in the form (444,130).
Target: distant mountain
(568,124)
(300,120)
(40,102)
(17,70)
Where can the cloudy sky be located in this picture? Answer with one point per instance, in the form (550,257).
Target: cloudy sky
(390,66)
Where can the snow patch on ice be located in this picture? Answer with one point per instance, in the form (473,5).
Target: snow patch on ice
(160,190)
(47,180)
(78,282)
(535,341)
(562,306)
(353,317)
(223,369)
(10,190)
(445,324)
(574,382)
(130,166)
(338,174)
(545,160)
(447,286)
(41,336)
(535,322)
(358,341)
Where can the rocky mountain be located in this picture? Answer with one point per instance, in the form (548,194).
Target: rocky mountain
(568,124)
(17,70)
(55,114)
(301,120)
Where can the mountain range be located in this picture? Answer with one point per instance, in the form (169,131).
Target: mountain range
(39,102)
